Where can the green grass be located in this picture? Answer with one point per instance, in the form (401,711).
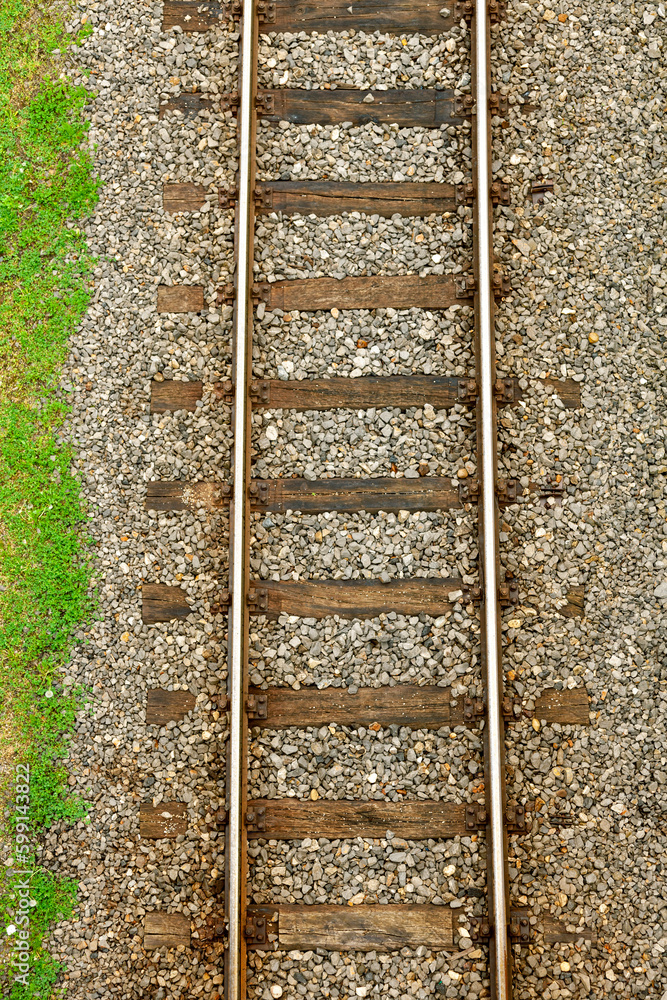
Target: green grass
(46,189)
(54,899)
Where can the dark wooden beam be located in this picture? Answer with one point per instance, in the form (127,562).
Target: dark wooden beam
(166,930)
(183,197)
(405,705)
(189,105)
(419,108)
(186,496)
(425,707)
(193,15)
(180,298)
(555,932)
(352,598)
(164,822)
(161,603)
(335,197)
(292,819)
(372,495)
(394,16)
(167,706)
(171,395)
(569,707)
(568,391)
(433,291)
(404,391)
(575,606)
(356,928)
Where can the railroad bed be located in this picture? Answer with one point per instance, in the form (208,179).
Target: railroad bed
(360,641)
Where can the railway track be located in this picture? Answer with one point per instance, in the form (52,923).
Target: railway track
(504,922)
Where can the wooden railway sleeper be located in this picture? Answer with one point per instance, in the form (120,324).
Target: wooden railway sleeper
(464,194)
(225,12)
(273,705)
(213,9)
(466,388)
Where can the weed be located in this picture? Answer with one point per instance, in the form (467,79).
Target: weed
(46,186)
(51,899)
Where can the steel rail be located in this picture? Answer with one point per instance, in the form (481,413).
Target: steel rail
(238,572)
(235,889)
(486,450)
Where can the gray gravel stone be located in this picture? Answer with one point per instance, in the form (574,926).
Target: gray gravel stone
(588,303)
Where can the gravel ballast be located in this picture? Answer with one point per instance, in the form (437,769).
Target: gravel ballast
(588,303)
